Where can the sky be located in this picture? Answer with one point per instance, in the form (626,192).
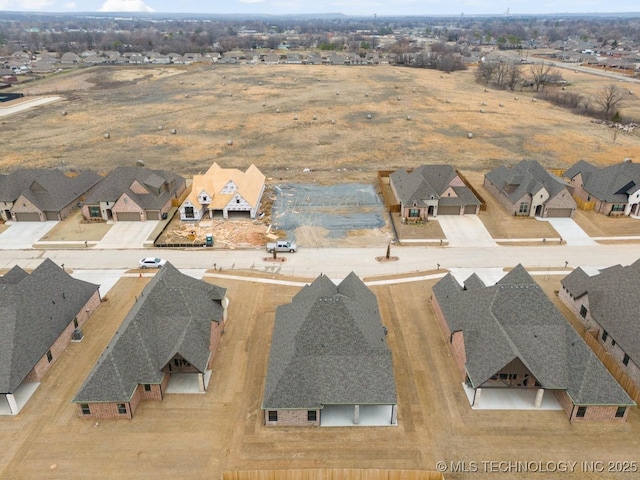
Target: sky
(347,7)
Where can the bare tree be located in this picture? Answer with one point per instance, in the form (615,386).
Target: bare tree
(513,75)
(609,99)
(542,74)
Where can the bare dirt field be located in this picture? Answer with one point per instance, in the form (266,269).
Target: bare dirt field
(200,436)
(285,118)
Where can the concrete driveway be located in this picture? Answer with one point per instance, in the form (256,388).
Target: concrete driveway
(128,234)
(22,235)
(569,231)
(465,231)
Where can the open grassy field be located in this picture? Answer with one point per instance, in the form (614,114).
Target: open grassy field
(285,118)
(201,436)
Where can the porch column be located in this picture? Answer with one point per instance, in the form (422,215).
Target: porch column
(539,395)
(13,405)
(476,397)
(394,414)
(356,414)
(201,382)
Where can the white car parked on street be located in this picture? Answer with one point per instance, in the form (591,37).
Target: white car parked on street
(152,262)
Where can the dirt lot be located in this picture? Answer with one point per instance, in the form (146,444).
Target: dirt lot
(199,436)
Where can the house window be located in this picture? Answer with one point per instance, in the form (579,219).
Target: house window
(620,412)
(237,200)
(122,408)
(75,322)
(188,212)
(581,412)
(273,415)
(414,212)
(147,387)
(84,408)
(49,356)
(617,207)
(312,415)
(524,207)
(605,335)
(583,311)
(625,360)
(94,212)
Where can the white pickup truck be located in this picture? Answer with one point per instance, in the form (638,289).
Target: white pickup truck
(282,246)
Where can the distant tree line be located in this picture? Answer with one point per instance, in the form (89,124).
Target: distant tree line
(165,34)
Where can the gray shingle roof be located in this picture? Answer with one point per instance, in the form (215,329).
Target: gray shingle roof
(514,319)
(525,177)
(429,181)
(119,181)
(34,310)
(614,302)
(329,348)
(583,167)
(609,184)
(172,317)
(49,189)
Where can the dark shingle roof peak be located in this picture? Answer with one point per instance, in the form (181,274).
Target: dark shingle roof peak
(35,309)
(172,317)
(613,302)
(514,319)
(329,347)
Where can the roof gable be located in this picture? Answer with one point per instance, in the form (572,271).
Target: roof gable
(143,185)
(221,184)
(514,319)
(527,177)
(172,317)
(613,302)
(329,347)
(35,309)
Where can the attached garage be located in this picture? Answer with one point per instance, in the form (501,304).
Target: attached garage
(448,210)
(153,215)
(470,209)
(559,213)
(27,217)
(51,215)
(128,216)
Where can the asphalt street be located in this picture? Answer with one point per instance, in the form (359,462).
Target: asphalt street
(470,249)
(337,263)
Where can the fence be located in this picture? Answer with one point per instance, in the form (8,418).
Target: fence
(590,337)
(483,204)
(333,474)
(585,205)
(385,190)
(176,202)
